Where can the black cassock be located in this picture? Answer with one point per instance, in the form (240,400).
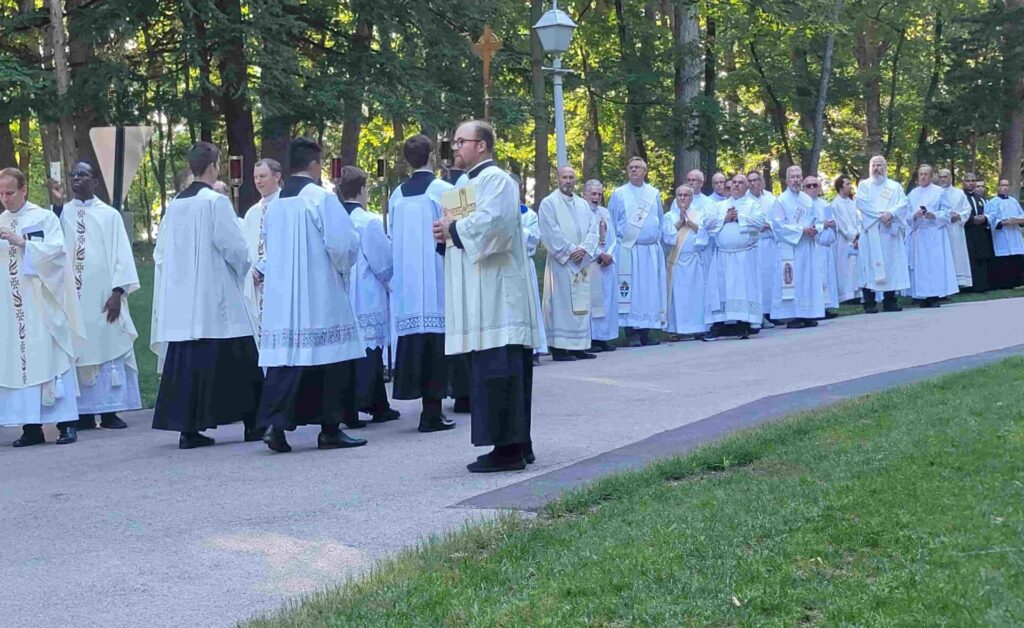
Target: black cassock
(979,245)
(501,395)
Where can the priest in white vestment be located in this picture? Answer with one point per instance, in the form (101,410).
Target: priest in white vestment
(1007,219)
(604,320)
(732,297)
(311,340)
(40,325)
(767,245)
(417,287)
(719,193)
(954,204)
(267,176)
(202,328)
(884,220)
(844,212)
(636,209)
(570,233)
(799,279)
(368,291)
(826,226)
(933,274)
(531,238)
(488,310)
(104,270)
(685,237)
(702,205)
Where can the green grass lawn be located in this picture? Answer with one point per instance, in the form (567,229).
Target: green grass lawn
(900,508)
(141,304)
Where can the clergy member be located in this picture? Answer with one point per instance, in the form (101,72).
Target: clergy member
(104,271)
(604,321)
(844,212)
(767,245)
(569,231)
(636,209)
(368,291)
(978,233)
(799,278)
(685,237)
(732,298)
(202,328)
(826,239)
(954,204)
(40,326)
(884,219)
(310,340)
(933,274)
(531,239)
(417,287)
(489,314)
(718,191)
(267,176)
(1007,219)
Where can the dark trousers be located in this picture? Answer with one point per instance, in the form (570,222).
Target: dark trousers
(888,297)
(501,395)
(35,429)
(371,395)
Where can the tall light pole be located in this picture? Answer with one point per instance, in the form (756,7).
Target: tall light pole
(554,29)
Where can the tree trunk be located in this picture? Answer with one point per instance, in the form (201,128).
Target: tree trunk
(593,151)
(233,68)
(1011,141)
(802,103)
(708,123)
(826,75)
(891,108)
(541,124)
(63,76)
(633,118)
(24,144)
(929,96)
(777,109)
(687,88)
(8,154)
(359,60)
(868,50)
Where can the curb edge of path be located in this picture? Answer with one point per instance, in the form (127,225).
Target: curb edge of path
(536,492)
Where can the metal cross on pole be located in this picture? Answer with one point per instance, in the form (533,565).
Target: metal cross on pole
(485,48)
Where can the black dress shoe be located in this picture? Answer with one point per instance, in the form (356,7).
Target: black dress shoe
(354,423)
(583,355)
(536,359)
(110,421)
(810,323)
(830,314)
(528,453)
(86,422)
(435,424)
(562,357)
(797,323)
(338,440)
(383,416)
(461,405)
(67,436)
(489,463)
(28,439)
(607,347)
(192,440)
(276,440)
(647,341)
(253,434)
(711,336)
(871,309)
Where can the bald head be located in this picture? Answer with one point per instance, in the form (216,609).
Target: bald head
(566,180)
(739,186)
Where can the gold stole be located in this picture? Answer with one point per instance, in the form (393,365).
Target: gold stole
(579,282)
(676,250)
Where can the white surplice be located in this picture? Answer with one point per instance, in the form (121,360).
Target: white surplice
(844,211)
(882,251)
(40,324)
(733,291)
(252,224)
(791,215)
(686,274)
(954,201)
(531,238)
(370,279)
(929,255)
(96,240)
(311,246)
(606,326)
(567,224)
(1006,239)
(201,261)
(826,239)
(637,212)
(767,249)
(417,297)
(487,281)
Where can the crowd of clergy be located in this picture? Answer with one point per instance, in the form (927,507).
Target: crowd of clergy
(286,317)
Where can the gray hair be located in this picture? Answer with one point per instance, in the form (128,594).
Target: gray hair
(273,164)
(591,184)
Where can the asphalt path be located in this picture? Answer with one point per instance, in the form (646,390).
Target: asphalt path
(124,529)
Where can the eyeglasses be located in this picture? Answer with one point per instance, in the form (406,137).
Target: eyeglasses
(810,185)
(460,141)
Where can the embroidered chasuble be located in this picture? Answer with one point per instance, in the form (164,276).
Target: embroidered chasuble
(566,224)
(954,201)
(604,320)
(882,252)
(637,213)
(799,284)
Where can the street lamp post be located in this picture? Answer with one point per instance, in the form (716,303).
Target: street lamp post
(554,29)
